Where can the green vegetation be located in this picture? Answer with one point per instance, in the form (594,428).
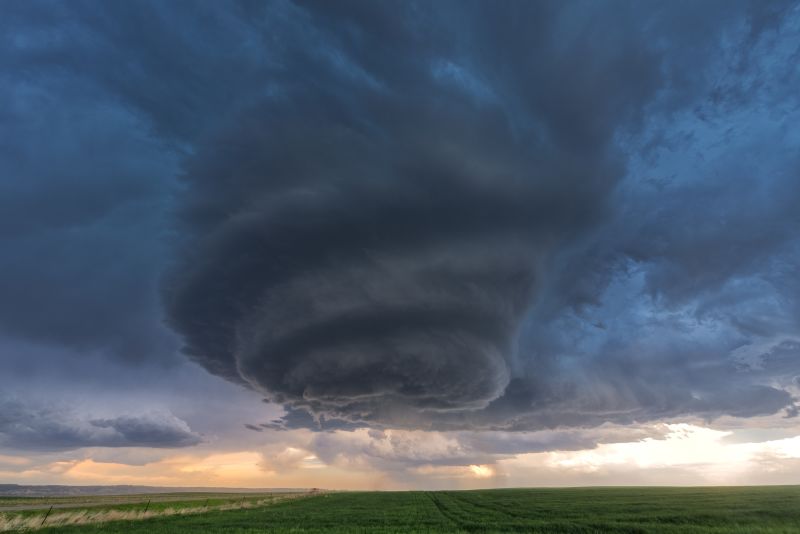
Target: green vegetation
(585,510)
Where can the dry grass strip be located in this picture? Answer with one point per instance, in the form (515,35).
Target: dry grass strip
(25,522)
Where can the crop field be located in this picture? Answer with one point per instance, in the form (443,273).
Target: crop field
(583,510)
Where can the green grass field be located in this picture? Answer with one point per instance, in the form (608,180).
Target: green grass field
(630,510)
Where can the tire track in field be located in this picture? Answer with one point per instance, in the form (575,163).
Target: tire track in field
(476,523)
(507,513)
(443,511)
(525,523)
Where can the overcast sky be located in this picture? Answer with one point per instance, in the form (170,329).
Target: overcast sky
(399,244)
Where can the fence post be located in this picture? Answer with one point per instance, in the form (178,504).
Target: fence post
(46,515)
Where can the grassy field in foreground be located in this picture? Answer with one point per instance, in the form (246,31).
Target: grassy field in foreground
(79,500)
(689,510)
(27,513)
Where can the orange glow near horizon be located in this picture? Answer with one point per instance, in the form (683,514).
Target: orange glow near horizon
(687,455)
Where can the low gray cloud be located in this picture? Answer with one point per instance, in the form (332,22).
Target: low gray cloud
(402,452)
(38,427)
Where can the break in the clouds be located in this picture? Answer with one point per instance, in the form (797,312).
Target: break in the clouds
(435,215)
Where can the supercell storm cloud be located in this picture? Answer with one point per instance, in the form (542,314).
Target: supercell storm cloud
(388,271)
(427,226)
(398,215)
(367,251)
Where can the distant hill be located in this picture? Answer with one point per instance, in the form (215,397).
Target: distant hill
(16,490)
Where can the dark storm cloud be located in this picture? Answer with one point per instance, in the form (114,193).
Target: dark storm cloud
(28,427)
(100,104)
(425,215)
(403,237)
(366,246)
(81,191)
